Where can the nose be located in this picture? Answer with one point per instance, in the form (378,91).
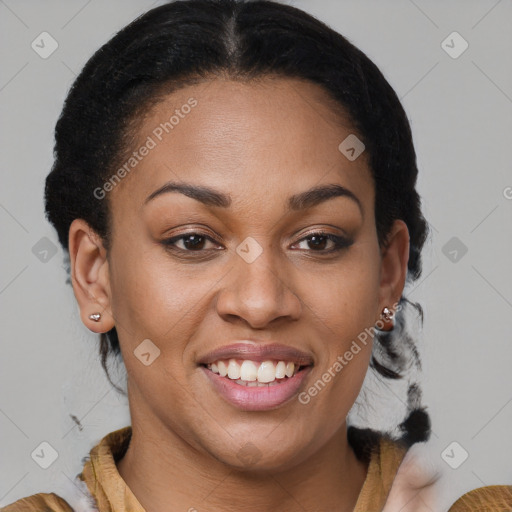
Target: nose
(259,292)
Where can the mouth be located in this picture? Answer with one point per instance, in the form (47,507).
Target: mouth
(246,372)
(256,377)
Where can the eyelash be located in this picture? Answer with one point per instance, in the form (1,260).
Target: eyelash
(340,242)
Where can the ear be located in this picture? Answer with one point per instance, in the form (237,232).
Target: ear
(394,259)
(90,276)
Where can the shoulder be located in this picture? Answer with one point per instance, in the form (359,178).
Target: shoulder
(41,502)
(492,498)
(74,496)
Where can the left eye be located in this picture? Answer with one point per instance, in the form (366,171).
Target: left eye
(320,239)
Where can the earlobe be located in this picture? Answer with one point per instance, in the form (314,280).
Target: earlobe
(394,260)
(90,276)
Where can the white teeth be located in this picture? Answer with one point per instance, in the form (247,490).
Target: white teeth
(249,371)
(233,369)
(266,372)
(254,373)
(280,370)
(223,369)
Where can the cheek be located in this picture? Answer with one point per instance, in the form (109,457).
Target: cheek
(145,288)
(343,299)
(156,298)
(153,300)
(343,309)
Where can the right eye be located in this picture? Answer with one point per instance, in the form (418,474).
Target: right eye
(192,242)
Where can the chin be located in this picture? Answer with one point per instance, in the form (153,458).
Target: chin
(261,455)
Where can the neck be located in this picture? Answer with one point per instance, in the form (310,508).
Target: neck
(171,475)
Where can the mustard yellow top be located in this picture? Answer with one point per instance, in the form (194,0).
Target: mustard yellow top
(109,492)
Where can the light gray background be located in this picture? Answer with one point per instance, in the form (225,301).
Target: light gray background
(461,115)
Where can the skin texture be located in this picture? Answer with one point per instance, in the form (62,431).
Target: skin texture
(260,142)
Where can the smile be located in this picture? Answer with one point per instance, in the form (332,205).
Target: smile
(254,374)
(256,386)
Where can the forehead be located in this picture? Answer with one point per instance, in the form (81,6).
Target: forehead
(280,135)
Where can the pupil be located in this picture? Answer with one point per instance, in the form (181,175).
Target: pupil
(196,243)
(316,238)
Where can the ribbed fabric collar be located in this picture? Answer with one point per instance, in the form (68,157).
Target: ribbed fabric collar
(102,477)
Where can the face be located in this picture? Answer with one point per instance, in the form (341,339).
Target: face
(256,269)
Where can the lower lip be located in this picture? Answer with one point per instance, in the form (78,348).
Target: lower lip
(257,398)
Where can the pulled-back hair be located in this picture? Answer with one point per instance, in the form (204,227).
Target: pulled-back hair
(186,41)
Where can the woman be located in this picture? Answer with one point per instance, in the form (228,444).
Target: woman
(235,184)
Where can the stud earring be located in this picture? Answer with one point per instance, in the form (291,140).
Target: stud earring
(95,317)
(387,317)
(386,314)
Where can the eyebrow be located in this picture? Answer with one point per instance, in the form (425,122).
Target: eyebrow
(214,198)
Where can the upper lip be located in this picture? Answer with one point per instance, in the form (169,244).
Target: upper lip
(257,351)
